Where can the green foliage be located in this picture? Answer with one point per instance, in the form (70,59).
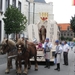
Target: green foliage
(62,38)
(68,39)
(72,23)
(65,38)
(14,20)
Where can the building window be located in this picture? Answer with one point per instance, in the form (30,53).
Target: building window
(19,5)
(14,3)
(64,34)
(0,31)
(7,3)
(0,5)
(67,34)
(59,27)
(71,34)
(61,34)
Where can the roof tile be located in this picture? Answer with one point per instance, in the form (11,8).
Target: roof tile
(64,26)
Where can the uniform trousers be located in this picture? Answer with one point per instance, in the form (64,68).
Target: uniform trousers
(58,56)
(65,56)
(47,59)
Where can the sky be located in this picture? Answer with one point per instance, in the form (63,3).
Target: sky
(62,10)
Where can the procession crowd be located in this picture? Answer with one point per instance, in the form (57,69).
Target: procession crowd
(61,48)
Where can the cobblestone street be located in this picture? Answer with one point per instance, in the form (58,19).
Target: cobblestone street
(65,70)
(3,59)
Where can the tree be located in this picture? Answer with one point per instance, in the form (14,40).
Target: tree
(62,38)
(72,23)
(14,21)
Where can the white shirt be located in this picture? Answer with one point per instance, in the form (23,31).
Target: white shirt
(48,44)
(59,49)
(65,48)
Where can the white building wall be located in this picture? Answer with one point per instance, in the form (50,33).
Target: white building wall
(39,8)
(2,23)
(4,9)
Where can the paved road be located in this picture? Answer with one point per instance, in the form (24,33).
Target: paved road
(65,70)
(3,59)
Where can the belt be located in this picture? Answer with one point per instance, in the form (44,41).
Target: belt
(47,51)
(58,53)
(65,52)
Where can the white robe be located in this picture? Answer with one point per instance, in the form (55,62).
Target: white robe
(58,58)
(47,54)
(59,51)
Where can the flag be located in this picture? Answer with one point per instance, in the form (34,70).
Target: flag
(73,2)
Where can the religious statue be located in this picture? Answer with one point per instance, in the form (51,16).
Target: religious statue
(42,34)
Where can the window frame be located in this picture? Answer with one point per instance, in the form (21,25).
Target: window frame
(14,3)
(7,4)
(1,5)
(19,7)
(0,29)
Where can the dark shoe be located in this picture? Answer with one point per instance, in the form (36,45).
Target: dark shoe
(45,66)
(64,64)
(48,67)
(56,69)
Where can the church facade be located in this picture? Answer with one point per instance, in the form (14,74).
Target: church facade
(36,13)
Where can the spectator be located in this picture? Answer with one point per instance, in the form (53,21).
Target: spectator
(65,53)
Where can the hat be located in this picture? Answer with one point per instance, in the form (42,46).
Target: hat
(57,41)
(47,38)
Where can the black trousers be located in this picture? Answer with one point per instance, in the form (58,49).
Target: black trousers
(65,56)
(58,66)
(47,63)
